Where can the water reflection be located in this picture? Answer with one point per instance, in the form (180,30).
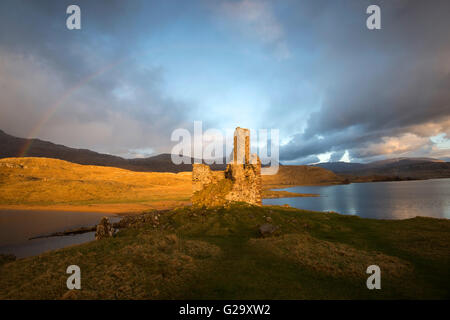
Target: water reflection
(17,226)
(380,200)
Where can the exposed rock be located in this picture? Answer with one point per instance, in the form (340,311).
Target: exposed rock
(152,218)
(104,229)
(267,230)
(66,232)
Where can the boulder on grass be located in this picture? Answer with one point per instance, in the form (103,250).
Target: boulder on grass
(267,229)
(104,229)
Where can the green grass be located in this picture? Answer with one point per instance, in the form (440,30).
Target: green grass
(218,254)
(213,194)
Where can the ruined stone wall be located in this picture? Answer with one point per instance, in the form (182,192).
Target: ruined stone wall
(202,175)
(241,181)
(246,183)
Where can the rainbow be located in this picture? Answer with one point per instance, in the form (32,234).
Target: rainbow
(58,103)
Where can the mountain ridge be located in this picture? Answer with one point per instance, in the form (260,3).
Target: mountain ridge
(11,146)
(402,168)
(396,168)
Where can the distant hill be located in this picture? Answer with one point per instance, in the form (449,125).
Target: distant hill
(11,146)
(402,168)
(391,169)
(301,175)
(340,167)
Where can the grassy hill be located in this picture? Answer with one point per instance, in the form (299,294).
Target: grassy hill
(218,254)
(42,181)
(301,175)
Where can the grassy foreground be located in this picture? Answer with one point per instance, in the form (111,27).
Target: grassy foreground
(218,254)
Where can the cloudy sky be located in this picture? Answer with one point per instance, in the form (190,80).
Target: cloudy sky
(137,70)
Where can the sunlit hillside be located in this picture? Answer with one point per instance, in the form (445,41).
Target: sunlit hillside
(43,181)
(301,175)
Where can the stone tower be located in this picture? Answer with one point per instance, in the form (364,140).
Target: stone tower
(241,146)
(241,181)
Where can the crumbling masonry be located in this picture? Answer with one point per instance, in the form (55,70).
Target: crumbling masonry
(241,181)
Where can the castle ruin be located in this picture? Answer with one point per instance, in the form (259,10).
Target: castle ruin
(241,181)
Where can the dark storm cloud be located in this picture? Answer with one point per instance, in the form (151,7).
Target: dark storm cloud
(316,72)
(104,97)
(375,84)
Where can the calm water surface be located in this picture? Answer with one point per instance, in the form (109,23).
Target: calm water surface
(17,226)
(379,200)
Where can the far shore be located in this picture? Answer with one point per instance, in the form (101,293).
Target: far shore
(113,208)
(44,184)
(136,208)
(274,194)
